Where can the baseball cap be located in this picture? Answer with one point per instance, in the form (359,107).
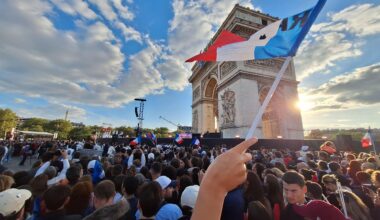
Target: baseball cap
(319,209)
(305,148)
(189,196)
(165,182)
(151,156)
(12,200)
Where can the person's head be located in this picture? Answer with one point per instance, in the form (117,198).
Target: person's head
(294,187)
(375,177)
(363,177)
(150,199)
(280,166)
(6,182)
(277,154)
(51,172)
(118,181)
(322,165)
(258,168)
(56,197)
(184,181)
(353,168)
(307,174)
(350,157)
(253,188)
(335,167)
(73,174)
(39,184)
(324,156)
(175,163)
(256,210)
(104,193)
(79,198)
(116,170)
(21,178)
(314,190)
(329,181)
(368,165)
(155,170)
(12,203)
(170,172)
(130,185)
(167,186)
(274,191)
(189,197)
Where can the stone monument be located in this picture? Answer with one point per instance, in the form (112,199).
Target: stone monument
(228,95)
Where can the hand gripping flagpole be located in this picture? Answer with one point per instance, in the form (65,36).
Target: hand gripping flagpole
(259,115)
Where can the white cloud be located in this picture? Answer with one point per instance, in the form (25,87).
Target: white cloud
(75,7)
(19,100)
(129,33)
(53,111)
(105,9)
(123,10)
(331,41)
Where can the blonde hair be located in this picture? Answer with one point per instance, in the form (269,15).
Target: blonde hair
(356,209)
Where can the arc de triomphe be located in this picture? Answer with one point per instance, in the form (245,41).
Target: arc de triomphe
(228,102)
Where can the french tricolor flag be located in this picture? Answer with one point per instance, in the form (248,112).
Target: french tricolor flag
(367,140)
(136,141)
(178,139)
(279,39)
(196,142)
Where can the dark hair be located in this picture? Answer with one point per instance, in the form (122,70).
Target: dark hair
(280,166)
(307,174)
(315,189)
(292,177)
(196,162)
(117,170)
(79,198)
(118,181)
(259,169)
(56,196)
(175,163)
(324,156)
(130,185)
(184,182)
(39,184)
(21,178)
(278,154)
(105,189)
(363,177)
(57,164)
(310,156)
(334,166)
(170,172)
(323,165)
(254,191)
(150,198)
(73,174)
(46,157)
(256,210)
(354,167)
(274,191)
(145,172)
(156,167)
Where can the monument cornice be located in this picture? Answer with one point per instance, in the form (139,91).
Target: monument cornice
(252,76)
(203,100)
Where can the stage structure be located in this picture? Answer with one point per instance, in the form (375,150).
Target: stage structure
(227,95)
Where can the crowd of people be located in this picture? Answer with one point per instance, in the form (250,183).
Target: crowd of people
(83,180)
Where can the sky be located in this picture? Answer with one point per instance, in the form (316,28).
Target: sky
(94,57)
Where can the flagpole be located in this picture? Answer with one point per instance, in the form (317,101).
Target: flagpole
(372,139)
(259,115)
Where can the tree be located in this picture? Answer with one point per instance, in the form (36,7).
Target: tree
(126,131)
(315,134)
(34,124)
(80,133)
(161,132)
(61,126)
(8,120)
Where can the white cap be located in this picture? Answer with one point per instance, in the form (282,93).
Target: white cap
(189,196)
(91,164)
(305,148)
(151,156)
(12,200)
(164,181)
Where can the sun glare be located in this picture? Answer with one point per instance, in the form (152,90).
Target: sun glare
(304,105)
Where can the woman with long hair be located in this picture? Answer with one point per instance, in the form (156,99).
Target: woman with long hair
(274,194)
(254,191)
(356,209)
(256,210)
(353,168)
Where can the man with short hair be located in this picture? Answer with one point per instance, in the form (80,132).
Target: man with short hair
(104,193)
(12,203)
(155,170)
(150,199)
(294,188)
(168,211)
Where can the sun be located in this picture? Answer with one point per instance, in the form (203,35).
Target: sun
(304,105)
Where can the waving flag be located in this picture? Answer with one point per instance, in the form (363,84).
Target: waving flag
(178,139)
(367,140)
(136,141)
(152,137)
(195,141)
(279,39)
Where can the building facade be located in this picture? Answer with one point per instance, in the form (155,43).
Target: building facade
(228,95)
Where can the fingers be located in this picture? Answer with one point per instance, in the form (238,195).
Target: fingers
(243,146)
(247,157)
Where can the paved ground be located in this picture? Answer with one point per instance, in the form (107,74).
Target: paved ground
(13,164)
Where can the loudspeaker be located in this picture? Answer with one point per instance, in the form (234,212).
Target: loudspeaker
(343,142)
(136,112)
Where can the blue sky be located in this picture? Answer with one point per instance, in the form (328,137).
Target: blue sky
(94,57)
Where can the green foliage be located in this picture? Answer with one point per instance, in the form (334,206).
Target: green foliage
(8,120)
(60,126)
(80,133)
(34,124)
